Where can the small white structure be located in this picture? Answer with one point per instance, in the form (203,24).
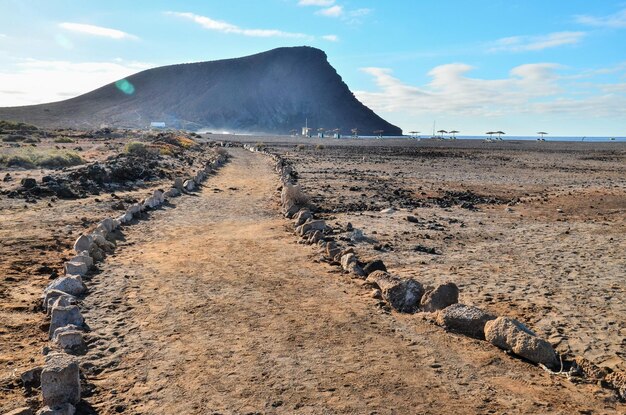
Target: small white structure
(306,132)
(157,125)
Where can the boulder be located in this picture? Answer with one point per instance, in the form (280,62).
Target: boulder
(21,411)
(440,297)
(311,225)
(357,235)
(511,335)
(70,340)
(83,243)
(108,225)
(179,183)
(332,250)
(346,260)
(375,265)
(173,192)
(50,296)
(189,185)
(617,380)
(590,370)
(64,315)
(65,329)
(60,380)
(32,377)
(290,209)
(464,319)
(28,182)
(83,257)
(134,209)
(302,216)
(75,268)
(159,196)
(65,300)
(64,409)
(315,237)
(70,284)
(402,294)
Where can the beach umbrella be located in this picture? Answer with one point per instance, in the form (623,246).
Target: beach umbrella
(442,132)
(454,132)
(490,133)
(379,133)
(541,133)
(499,134)
(413,133)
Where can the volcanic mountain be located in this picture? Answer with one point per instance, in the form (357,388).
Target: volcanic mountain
(271,92)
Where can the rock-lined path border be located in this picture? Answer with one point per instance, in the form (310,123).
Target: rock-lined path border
(406,295)
(60,376)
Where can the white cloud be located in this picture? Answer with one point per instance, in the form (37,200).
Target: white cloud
(331,38)
(96,30)
(529,89)
(333,11)
(616,20)
(226,27)
(2,35)
(319,3)
(37,81)
(534,43)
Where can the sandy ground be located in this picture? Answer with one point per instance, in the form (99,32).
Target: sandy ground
(212,307)
(547,245)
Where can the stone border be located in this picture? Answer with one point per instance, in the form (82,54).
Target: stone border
(60,376)
(406,295)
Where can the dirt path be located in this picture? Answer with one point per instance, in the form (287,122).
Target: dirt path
(213,308)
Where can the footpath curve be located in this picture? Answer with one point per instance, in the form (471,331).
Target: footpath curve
(213,307)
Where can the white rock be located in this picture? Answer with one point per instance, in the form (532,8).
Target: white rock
(347,260)
(83,243)
(134,209)
(70,284)
(158,195)
(65,409)
(388,210)
(107,224)
(60,380)
(62,316)
(189,185)
(75,268)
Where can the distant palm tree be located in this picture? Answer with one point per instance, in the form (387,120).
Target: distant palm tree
(442,132)
(453,132)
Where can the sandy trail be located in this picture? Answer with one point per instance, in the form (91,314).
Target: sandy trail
(213,308)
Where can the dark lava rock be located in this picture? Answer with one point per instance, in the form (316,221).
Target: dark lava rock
(28,183)
(375,265)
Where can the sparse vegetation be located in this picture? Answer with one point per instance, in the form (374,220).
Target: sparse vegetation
(30,158)
(300,146)
(16,126)
(13,138)
(319,147)
(221,151)
(137,148)
(64,140)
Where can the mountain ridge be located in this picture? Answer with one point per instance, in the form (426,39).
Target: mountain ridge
(275,91)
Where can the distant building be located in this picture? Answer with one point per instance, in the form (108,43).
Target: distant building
(306,132)
(157,124)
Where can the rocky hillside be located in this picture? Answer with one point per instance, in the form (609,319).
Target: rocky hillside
(270,92)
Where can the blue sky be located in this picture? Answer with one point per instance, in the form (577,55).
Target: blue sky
(474,66)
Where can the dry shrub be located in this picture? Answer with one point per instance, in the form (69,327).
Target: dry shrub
(301,146)
(63,140)
(320,147)
(221,151)
(136,148)
(30,158)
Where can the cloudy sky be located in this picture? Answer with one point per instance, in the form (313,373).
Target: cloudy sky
(516,66)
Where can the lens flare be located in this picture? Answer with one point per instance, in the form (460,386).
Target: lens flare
(125,86)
